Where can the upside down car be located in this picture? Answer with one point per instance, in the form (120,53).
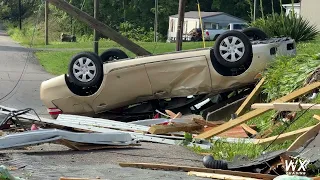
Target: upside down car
(113,82)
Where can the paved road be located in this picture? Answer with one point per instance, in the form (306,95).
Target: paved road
(50,161)
(13,60)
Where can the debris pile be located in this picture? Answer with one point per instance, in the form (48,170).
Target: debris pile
(87,133)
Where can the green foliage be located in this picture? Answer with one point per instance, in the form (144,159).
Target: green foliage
(137,33)
(292,26)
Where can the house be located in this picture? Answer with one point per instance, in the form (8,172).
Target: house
(210,20)
(309,10)
(295,7)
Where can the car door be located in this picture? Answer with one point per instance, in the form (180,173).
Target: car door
(123,86)
(179,77)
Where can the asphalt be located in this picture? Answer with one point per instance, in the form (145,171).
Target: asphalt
(52,161)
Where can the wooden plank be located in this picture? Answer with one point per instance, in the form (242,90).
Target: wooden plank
(304,137)
(99,26)
(246,117)
(249,129)
(283,137)
(251,98)
(198,169)
(317,117)
(218,176)
(163,129)
(286,106)
(236,132)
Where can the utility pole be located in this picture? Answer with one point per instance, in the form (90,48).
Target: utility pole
(156,21)
(254,9)
(95,33)
(182,5)
(46,14)
(20,20)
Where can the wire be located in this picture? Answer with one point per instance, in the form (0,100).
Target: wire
(26,61)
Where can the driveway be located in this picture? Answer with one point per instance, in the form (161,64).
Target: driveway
(51,161)
(14,60)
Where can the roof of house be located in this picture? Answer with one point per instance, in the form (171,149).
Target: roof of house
(195,14)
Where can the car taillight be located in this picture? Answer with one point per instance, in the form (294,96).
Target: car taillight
(207,33)
(54,111)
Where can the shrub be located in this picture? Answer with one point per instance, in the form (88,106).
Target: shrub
(137,33)
(287,25)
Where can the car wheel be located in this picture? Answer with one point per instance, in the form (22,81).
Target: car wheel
(233,49)
(112,54)
(85,69)
(255,34)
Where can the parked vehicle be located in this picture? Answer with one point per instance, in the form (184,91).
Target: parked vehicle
(212,34)
(112,82)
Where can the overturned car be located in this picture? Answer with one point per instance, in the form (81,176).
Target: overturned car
(114,84)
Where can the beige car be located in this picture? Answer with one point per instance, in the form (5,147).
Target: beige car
(112,82)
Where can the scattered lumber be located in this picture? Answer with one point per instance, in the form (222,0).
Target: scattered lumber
(246,104)
(176,127)
(218,176)
(286,106)
(197,169)
(246,117)
(284,136)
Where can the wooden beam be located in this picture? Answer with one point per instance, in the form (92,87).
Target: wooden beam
(246,117)
(304,137)
(251,98)
(163,129)
(99,26)
(246,105)
(286,106)
(283,137)
(218,176)
(198,169)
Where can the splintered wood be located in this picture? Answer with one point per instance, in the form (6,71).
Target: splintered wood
(197,169)
(254,113)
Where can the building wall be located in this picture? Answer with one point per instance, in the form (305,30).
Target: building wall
(221,20)
(188,25)
(309,9)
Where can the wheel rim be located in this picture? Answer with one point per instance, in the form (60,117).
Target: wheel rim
(232,48)
(84,69)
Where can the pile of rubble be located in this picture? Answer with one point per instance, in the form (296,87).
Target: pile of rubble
(86,133)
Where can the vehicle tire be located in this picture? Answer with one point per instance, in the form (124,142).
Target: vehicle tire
(112,54)
(215,37)
(255,34)
(85,69)
(233,53)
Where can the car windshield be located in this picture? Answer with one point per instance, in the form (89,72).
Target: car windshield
(240,26)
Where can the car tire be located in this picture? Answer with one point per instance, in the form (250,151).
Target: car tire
(85,69)
(112,54)
(255,34)
(234,53)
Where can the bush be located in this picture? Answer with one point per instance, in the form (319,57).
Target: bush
(137,33)
(291,26)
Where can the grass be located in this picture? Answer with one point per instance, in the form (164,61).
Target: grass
(282,74)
